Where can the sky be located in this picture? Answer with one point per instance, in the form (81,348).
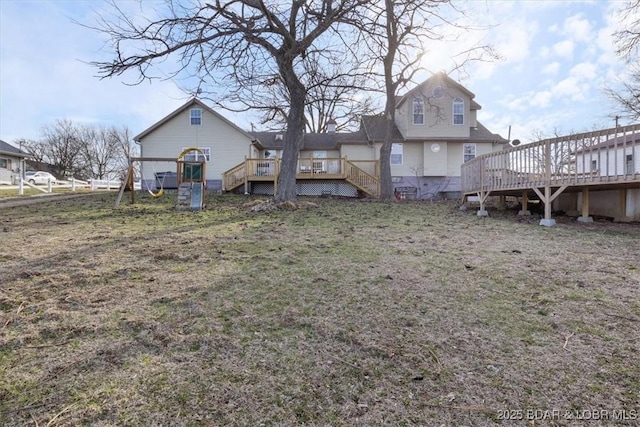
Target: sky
(555,59)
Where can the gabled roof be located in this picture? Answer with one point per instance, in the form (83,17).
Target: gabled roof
(6,148)
(442,78)
(191,103)
(375,127)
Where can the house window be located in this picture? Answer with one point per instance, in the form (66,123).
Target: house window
(418,111)
(193,156)
(594,166)
(630,170)
(4,163)
(469,152)
(196,117)
(396,154)
(458,111)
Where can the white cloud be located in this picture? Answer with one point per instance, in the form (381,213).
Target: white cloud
(563,49)
(551,68)
(584,71)
(578,28)
(541,99)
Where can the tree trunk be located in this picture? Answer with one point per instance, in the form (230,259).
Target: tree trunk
(293,136)
(386,186)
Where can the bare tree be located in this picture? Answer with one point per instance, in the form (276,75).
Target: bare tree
(62,147)
(104,152)
(628,37)
(337,88)
(628,46)
(243,45)
(83,152)
(35,149)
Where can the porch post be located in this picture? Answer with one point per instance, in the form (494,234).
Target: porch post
(276,173)
(525,204)
(585,207)
(246,177)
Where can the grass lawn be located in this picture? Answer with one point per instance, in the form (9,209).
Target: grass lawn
(350,313)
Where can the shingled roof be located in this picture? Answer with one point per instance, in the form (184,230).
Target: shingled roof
(310,141)
(6,148)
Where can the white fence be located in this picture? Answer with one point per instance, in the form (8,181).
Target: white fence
(72,184)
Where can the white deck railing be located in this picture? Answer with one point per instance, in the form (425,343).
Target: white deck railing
(591,158)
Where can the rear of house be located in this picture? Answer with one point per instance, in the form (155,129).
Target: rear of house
(435,132)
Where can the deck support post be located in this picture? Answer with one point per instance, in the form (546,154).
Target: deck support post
(547,198)
(482,196)
(525,205)
(502,204)
(622,207)
(585,207)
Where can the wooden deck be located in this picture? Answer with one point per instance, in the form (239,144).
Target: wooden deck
(601,160)
(362,174)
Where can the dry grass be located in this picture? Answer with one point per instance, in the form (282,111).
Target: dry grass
(339,313)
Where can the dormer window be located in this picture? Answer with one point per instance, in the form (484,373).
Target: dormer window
(418,111)
(458,111)
(196,117)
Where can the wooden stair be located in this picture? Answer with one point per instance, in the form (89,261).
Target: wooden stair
(362,180)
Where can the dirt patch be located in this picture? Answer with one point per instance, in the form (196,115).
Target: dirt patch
(349,313)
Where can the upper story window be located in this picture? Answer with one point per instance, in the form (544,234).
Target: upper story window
(469,152)
(396,154)
(630,168)
(458,111)
(418,111)
(196,117)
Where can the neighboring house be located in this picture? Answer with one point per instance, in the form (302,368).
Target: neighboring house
(613,157)
(12,163)
(435,132)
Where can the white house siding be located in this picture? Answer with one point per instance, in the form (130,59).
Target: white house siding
(435,163)
(15,167)
(6,176)
(609,161)
(228,146)
(435,126)
(412,161)
(359,152)
(456,155)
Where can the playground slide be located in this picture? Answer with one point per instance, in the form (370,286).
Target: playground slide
(196,196)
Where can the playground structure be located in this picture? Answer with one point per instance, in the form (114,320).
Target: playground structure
(191,179)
